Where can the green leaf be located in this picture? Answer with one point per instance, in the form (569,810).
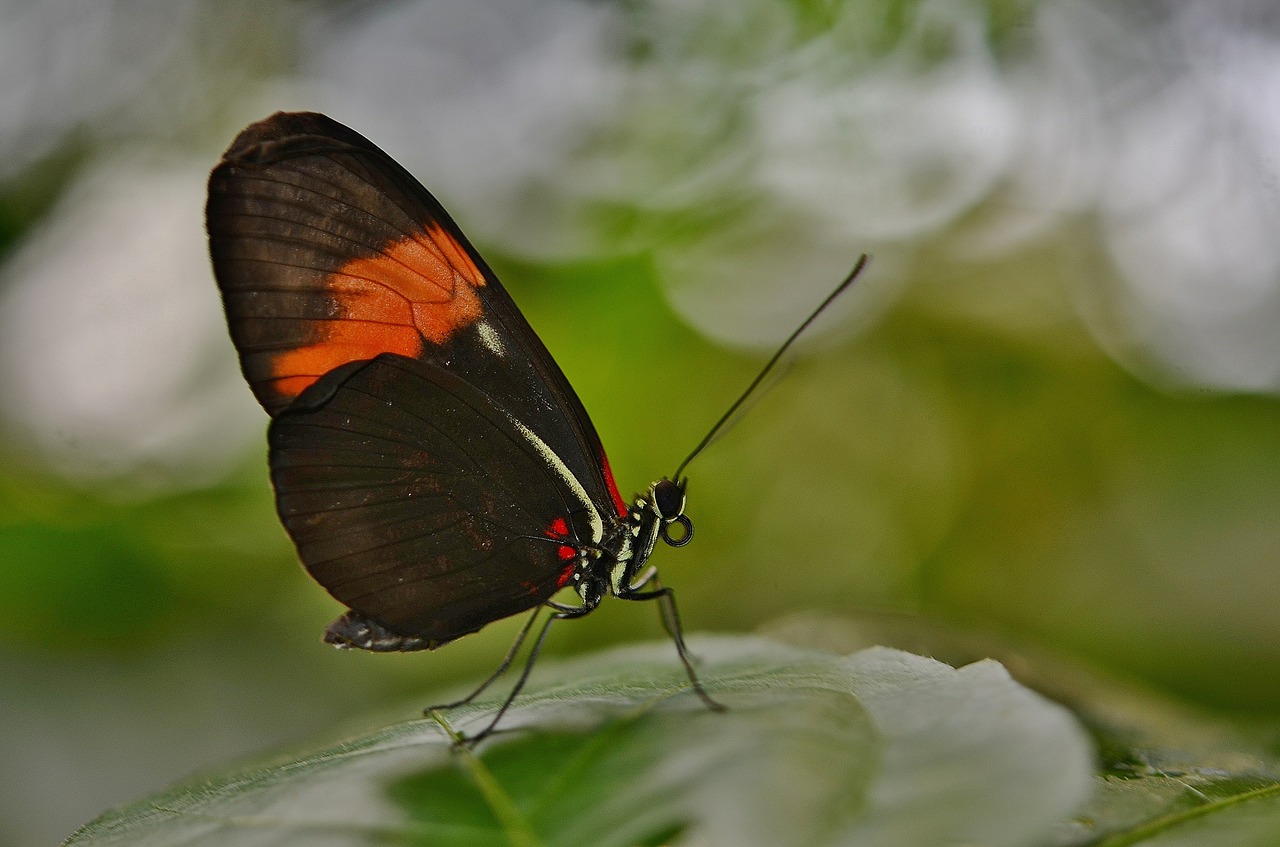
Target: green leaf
(878,748)
(1172,780)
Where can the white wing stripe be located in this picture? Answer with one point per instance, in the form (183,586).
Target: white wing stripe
(562,470)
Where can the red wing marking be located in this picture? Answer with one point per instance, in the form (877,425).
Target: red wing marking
(559,530)
(565,576)
(618,502)
(416,291)
(297,369)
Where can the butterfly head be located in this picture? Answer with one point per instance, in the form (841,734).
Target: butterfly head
(666,500)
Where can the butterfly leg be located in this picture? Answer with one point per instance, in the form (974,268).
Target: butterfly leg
(562,613)
(502,668)
(650,573)
(666,598)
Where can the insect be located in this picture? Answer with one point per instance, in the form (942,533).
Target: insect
(431,462)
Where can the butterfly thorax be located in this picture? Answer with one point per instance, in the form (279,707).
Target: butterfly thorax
(615,567)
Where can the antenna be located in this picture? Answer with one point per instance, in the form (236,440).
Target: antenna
(755,383)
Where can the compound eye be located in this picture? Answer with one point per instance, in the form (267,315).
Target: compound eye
(668,499)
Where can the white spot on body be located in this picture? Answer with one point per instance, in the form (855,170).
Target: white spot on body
(617,575)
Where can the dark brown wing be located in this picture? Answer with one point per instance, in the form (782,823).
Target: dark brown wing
(327,252)
(417,502)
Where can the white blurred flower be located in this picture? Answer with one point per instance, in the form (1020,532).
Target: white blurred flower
(1160,124)
(486,103)
(114,358)
(900,150)
(1190,202)
(533,121)
(78,73)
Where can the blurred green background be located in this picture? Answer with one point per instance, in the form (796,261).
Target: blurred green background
(1048,414)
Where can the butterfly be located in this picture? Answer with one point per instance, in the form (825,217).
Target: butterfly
(433,466)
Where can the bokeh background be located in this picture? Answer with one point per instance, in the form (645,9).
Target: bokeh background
(1048,414)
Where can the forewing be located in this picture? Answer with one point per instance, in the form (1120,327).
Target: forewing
(416,501)
(328,252)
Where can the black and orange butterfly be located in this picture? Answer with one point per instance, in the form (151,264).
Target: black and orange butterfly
(431,463)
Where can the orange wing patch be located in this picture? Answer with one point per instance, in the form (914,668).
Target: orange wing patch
(418,290)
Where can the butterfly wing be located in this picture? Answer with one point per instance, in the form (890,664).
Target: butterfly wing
(327,252)
(430,459)
(416,501)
